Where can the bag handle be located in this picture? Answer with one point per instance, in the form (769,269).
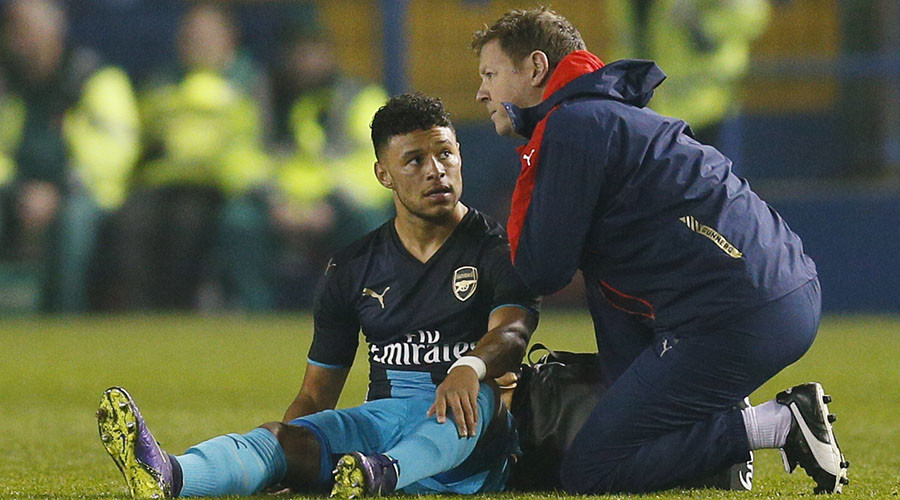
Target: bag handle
(537,346)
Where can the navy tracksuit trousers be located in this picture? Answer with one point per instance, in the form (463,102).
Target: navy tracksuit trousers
(669,415)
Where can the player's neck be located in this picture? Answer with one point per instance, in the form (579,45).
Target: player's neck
(422,238)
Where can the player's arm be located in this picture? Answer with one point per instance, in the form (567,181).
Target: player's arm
(503,346)
(499,351)
(319,391)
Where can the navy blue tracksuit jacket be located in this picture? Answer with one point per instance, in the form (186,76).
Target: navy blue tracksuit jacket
(698,289)
(659,224)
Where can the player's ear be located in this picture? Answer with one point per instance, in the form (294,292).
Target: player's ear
(383,176)
(540,68)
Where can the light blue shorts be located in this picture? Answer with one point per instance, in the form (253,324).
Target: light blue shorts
(378,426)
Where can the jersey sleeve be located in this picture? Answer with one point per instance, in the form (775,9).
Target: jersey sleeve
(336,324)
(562,207)
(507,287)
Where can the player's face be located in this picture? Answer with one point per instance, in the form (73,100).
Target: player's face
(424,169)
(502,82)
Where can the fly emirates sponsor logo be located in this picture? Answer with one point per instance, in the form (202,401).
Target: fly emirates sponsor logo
(422,347)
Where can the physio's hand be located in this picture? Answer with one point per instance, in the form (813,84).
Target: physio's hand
(458,393)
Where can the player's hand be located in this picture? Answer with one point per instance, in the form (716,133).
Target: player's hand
(458,393)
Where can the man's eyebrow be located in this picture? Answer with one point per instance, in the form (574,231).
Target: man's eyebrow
(411,153)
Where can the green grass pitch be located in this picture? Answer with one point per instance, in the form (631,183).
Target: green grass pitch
(197,377)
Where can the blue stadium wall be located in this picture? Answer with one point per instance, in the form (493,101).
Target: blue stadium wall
(855,240)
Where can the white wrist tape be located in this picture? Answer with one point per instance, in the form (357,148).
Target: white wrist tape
(473,362)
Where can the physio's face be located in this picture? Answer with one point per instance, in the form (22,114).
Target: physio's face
(502,82)
(424,169)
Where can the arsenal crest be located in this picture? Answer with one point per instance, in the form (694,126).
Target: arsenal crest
(465,280)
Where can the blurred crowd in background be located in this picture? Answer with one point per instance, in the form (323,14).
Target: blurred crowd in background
(222,180)
(214,183)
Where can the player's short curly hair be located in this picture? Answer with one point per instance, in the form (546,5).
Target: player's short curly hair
(521,32)
(407,113)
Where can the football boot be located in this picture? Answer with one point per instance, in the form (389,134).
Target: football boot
(358,475)
(811,442)
(146,467)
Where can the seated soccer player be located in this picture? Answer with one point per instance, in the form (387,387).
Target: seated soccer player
(443,312)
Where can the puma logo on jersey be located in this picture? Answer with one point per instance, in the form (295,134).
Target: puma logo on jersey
(527,157)
(368,292)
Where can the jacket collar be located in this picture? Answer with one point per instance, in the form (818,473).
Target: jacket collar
(578,63)
(581,73)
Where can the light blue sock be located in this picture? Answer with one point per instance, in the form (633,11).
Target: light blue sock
(234,464)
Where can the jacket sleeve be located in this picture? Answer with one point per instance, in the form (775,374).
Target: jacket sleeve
(563,203)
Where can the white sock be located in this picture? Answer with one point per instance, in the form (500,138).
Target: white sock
(767,424)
